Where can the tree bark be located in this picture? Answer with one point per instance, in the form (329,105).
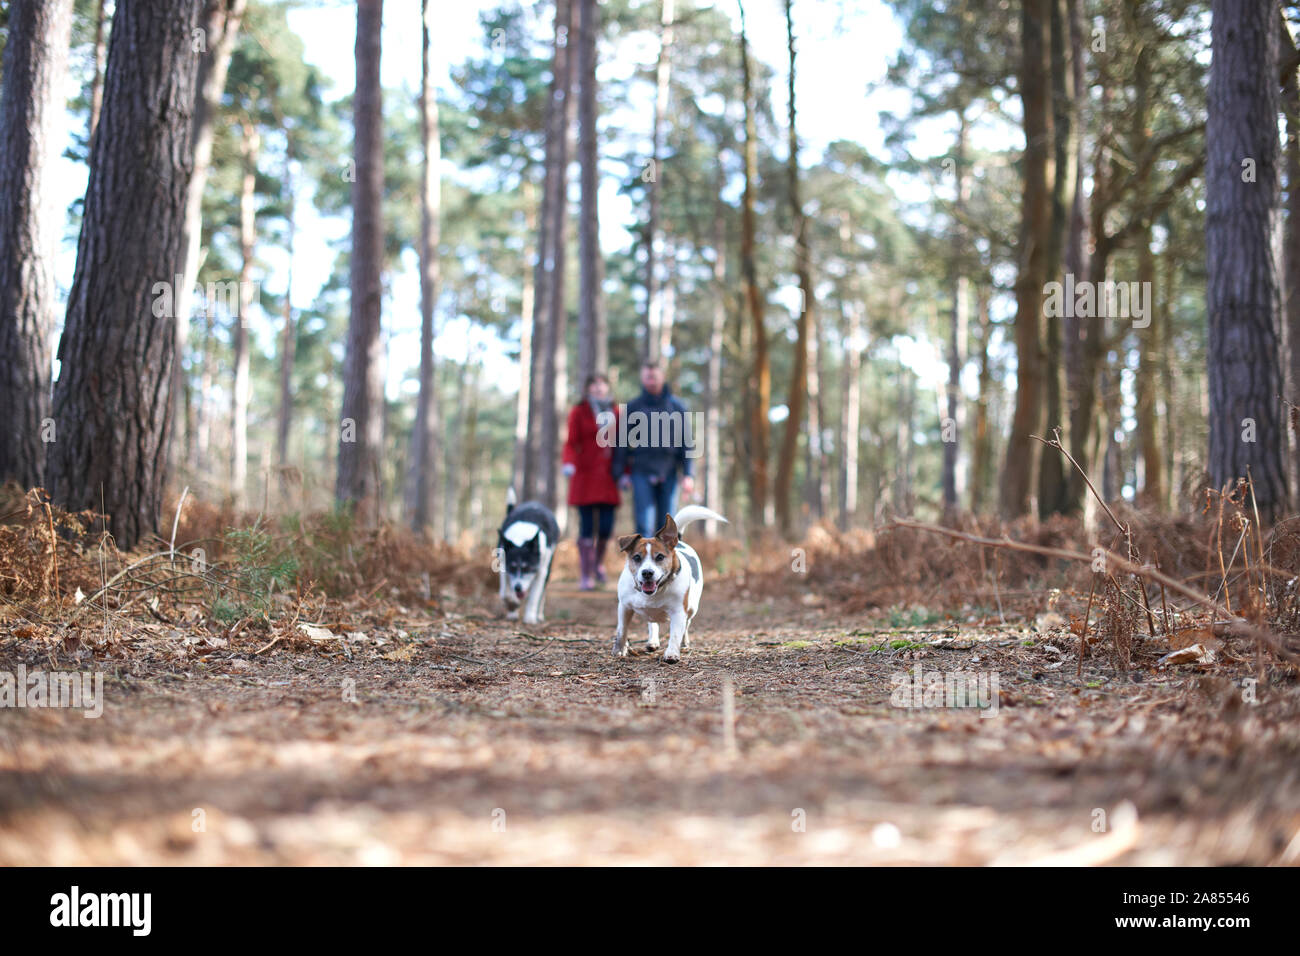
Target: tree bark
(713,383)
(761,380)
(653,347)
(1291,270)
(422,477)
(981,469)
(1020,473)
(539,459)
(797,397)
(361,429)
(957,327)
(97,79)
(527,310)
(556,356)
(35,63)
(850,412)
(593,347)
(113,400)
(1053,483)
(1246,438)
(220,23)
(1076,251)
(250,150)
(288,340)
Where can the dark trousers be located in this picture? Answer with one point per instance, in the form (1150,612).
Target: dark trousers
(591,517)
(651,501)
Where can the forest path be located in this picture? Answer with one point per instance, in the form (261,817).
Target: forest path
(471,741)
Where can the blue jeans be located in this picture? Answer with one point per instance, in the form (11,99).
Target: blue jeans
(650,502)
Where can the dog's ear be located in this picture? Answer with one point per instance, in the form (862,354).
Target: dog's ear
(628,542)
(668,534)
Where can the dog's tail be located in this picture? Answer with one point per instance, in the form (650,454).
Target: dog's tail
(692,513)
(510,500)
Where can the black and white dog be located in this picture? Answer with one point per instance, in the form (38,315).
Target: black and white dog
(526,544)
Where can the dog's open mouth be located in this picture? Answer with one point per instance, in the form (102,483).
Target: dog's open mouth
(648,587)
(519,592)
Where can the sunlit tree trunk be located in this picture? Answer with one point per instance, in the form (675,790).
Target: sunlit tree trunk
(250,151)
(113,401)
(797,396)
(97,78)
(422,475)
(653,346)
(761,381)
(1053,487)
(1246,438)
(288,341)
(1020,471)
(593,346)
(362,423)
(956,327)
(35,64)
(221,20)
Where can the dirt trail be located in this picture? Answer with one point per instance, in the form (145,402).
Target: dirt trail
(470,741)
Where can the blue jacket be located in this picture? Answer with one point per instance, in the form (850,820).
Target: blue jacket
(657,461)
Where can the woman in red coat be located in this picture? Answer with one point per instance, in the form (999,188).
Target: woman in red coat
(588,465)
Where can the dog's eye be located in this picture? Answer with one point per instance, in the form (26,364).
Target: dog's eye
(659,558)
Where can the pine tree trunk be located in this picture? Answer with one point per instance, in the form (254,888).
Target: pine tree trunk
(981,469)
(361,428)
(97,79)
(421,481)
(556,357)
(1076,253)
(250,149)
(113,401)
(1291,272)
(1020,472)
(593,350)
(713,383)
(956,327)
(220,23)
(540,459)
(797,397)
(850,411)
(817,487)
(652,347)
(1242,294)
(527,311)
(288,342)
(761,380)
(1053,482)
(35,63)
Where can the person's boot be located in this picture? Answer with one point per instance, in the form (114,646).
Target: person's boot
(598,561)
(586,561)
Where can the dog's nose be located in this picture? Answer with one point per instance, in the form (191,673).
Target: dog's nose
(647,573)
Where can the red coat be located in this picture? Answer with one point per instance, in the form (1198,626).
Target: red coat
(592,482)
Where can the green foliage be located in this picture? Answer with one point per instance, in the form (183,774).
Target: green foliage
(258,565)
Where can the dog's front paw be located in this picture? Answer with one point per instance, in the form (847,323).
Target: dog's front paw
(652,645)
(620,647)
(671,658)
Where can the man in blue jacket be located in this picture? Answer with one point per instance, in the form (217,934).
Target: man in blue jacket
(659,436)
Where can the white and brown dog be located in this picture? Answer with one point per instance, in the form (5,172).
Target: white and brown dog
(662,582)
